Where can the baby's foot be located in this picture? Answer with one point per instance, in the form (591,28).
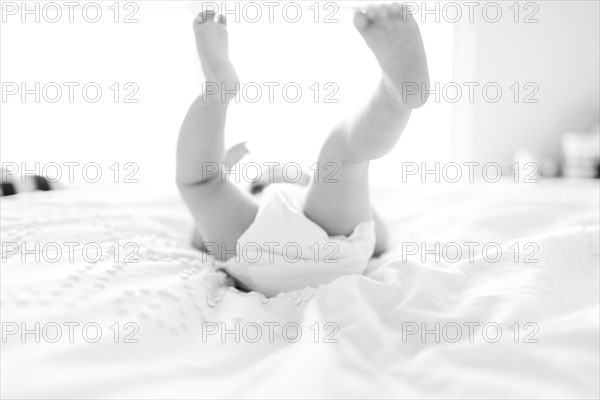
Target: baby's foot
(394,37)
(212,41)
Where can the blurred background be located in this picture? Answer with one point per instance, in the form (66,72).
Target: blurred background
(544,57)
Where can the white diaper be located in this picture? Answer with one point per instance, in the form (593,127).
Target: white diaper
(283,250)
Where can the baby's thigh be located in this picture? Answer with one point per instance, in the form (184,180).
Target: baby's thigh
(222,213)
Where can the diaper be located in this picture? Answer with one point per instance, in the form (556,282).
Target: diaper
(283,250)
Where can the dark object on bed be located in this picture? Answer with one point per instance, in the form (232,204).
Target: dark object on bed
(32,182)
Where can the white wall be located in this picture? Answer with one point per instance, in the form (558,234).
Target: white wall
(560,53)
(156,53)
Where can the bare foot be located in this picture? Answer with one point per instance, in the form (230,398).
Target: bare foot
(394,37)
(212,41)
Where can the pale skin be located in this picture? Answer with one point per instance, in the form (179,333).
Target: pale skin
(223,212)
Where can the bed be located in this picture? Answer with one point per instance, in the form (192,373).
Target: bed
(166,326)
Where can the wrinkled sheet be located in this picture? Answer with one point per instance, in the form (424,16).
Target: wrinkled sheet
(366,344)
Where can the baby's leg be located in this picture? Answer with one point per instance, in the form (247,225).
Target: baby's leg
(222,211)
(338,207)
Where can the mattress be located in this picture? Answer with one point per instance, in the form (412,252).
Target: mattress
(119,305)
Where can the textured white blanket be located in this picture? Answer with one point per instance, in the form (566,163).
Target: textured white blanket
(474,327)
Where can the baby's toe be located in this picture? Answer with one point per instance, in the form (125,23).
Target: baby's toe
(205,16)
(361,21)
(375,13)
(386,11)
(396,10)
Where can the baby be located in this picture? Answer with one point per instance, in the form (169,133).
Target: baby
(297,237)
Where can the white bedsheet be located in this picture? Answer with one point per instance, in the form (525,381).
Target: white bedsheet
(172,291)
